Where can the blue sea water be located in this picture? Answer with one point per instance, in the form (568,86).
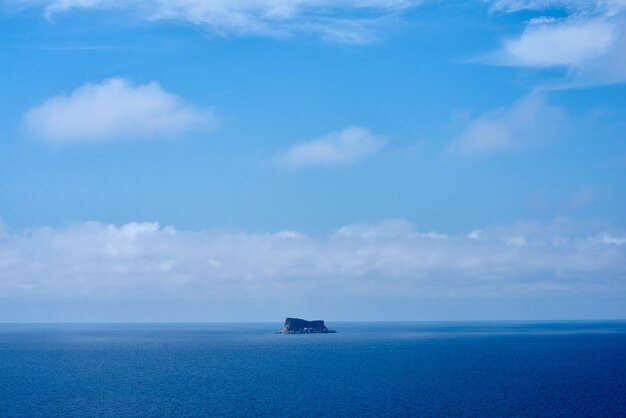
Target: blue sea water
(366,369)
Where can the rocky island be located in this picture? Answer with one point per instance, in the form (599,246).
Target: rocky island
(301,326)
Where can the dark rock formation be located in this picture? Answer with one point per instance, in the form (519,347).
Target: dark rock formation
(300,326)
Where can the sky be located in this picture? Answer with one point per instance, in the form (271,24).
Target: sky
(210,160)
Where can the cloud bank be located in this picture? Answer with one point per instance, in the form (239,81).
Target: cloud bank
(112,110)
(347,146)
(529,122)
(347,21)
(389,258)
(589,43)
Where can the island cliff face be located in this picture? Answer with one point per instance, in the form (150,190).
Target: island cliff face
(301,326)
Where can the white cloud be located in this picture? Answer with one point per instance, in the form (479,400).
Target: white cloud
(390,258)
(610,240)
(589,42)
(350,21)
(347,146)
(112,110)
(528,122)
(475,234)
(553,43)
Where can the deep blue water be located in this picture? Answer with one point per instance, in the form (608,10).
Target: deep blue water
(366,369)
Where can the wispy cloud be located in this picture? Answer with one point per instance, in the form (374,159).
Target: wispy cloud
(348,21)
(549,43)
(388,258)
(608,7)
(347,146)
(589,42)
(113,110)
(529,122)
(588,6)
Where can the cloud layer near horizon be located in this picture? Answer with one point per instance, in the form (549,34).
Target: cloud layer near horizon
(115,109)
(387,258)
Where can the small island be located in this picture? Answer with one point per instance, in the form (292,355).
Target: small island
(301,326)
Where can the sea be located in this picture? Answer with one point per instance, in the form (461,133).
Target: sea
(386,369)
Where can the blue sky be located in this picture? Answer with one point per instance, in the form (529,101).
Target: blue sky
(387,159)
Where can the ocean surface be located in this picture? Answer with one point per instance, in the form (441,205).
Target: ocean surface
(367,369)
